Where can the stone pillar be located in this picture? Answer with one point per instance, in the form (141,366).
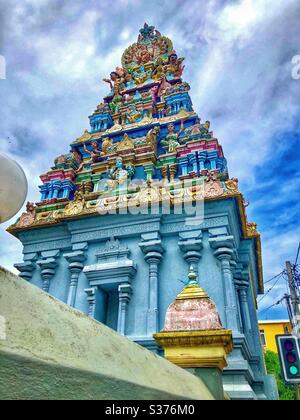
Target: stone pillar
(243,295)
(48,266)
(183,164)
(97,301)
(173,172)
(213,156)
(125,291)
(164,174)
(193,337)
(27,267)
(224,253)
(149,169)
(51,191)
(91,298)
(56,187)
(202,156)
(193,161)
(44,191)
(190,244)
(75,260)
(237,279)
(68,188)
(153,250)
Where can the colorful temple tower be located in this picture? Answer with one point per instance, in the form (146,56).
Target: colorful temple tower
(142,197)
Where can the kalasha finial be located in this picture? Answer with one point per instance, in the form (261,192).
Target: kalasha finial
(192,290)
(192,276)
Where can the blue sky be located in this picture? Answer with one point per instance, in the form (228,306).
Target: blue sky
(238,62)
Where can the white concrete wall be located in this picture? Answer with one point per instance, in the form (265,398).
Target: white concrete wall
(50,351)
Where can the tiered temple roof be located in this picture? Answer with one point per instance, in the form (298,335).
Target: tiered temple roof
(144,134)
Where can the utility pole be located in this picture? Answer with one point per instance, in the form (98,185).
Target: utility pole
(295,303)
(287,298)
(294,298)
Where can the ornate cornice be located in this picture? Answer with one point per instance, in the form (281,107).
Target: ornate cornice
(213,190)
(196,338)
(189,349)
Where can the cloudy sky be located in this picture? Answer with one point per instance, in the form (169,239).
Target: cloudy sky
(238,62)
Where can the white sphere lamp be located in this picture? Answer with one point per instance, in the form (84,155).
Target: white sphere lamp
(13,188)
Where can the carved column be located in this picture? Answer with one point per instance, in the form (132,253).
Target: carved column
(27,267)
(48,266)
(193,161)
(224,253)
(164,174)
(75,260)
(50,191)
(149,169)
(202,156)
(68,187)
(190,243)
(183,164)
(56,187)
(153,250)
(173,172)
(243,295)
(125,291)
(44,191)
(213,156)
(91,298)
(237,278)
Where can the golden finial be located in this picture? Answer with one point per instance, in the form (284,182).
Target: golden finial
(192,276)
(193,290)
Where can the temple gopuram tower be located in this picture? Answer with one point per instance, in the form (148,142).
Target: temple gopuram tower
(141,197)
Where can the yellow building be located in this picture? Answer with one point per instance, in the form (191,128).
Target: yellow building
(269,330)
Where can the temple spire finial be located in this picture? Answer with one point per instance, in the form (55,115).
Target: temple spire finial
(192,290)
(193,277)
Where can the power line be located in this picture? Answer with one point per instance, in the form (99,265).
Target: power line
(272,306)
(273,278)
(270,290)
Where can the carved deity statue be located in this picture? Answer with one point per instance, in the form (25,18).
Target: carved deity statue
(174,68)
(152,136)
(200,130)
(107,146)
(76,206)
(133,115)
(28,218)
(118,80)
(117,102)
(172,139)
(141,75)
(119,176)
(95,155)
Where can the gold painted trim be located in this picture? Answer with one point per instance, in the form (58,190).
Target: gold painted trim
(196,338)
(249,231)
(189,349)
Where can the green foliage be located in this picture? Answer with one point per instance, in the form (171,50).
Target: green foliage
(286,393)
